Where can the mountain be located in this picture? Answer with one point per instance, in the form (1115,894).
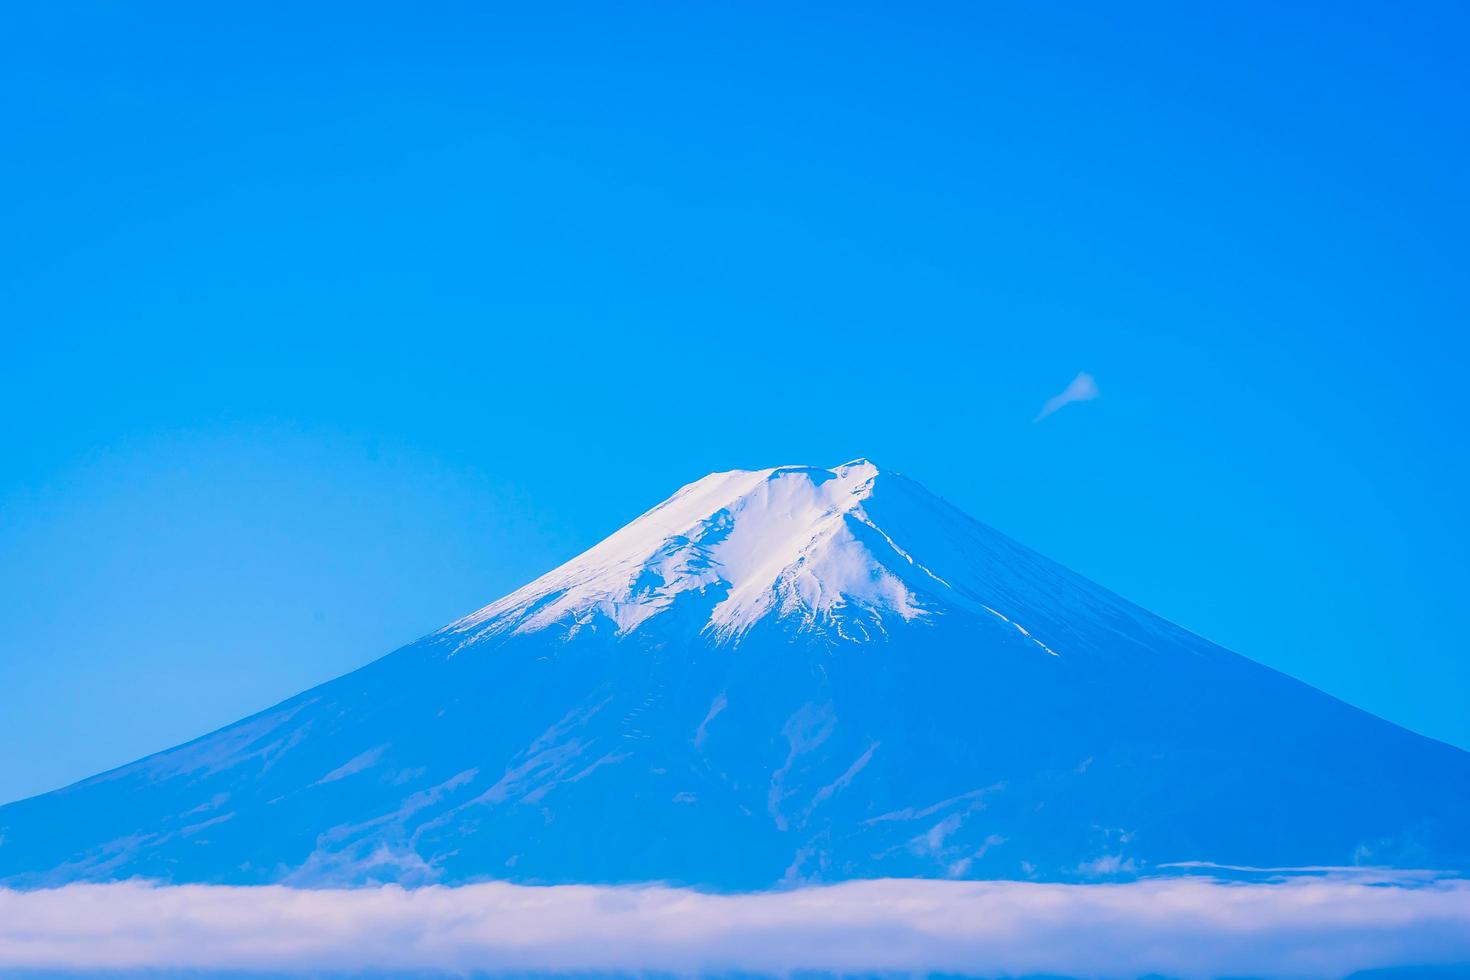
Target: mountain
(780,675)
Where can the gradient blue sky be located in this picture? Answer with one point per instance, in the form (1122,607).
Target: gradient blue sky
(323,326)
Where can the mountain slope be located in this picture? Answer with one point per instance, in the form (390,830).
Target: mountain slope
(775,675)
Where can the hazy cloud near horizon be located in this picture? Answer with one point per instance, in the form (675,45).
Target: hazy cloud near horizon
(1081,389)
(1183,927)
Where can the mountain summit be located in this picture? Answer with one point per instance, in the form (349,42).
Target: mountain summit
(741,546)
(826,552)
(789,674)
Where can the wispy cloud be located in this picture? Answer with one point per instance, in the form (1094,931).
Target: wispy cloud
(1322,926)
(1082,389)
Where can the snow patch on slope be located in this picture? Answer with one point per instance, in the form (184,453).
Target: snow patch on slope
(793,540)
(845,553)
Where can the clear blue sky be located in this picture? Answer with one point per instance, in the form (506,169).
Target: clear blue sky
(324,325)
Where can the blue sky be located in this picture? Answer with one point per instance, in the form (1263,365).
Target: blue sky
(322,327)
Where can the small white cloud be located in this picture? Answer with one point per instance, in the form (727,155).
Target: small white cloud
(1107,864)
(1082,389)
(1327,925)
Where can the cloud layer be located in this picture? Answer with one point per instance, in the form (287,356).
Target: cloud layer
(1081,389)
(1182,926)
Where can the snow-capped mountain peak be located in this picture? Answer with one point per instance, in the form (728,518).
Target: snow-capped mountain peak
(733,548)
(775,675)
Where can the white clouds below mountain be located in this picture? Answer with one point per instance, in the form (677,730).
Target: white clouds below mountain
(1326,925)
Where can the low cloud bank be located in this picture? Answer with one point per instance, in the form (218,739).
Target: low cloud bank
(1321,926)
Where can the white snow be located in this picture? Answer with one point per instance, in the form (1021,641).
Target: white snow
(733,548)
(1019,629)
